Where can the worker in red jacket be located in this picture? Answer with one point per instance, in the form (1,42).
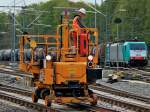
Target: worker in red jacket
(77,21)
(80,33)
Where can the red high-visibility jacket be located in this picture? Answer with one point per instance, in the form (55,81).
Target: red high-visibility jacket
(83,36)
(77,23)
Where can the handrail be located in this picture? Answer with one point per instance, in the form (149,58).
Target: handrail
(37,36)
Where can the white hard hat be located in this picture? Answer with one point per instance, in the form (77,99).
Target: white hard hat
(82,10)
(110,75)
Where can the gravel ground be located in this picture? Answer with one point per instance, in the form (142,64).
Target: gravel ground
(6,106)
(119,109)
(136,87)
(10,80)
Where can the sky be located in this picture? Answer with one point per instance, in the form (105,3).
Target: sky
(28,2)
(90,1)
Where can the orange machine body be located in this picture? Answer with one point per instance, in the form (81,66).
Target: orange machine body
(60,75)
(83,42)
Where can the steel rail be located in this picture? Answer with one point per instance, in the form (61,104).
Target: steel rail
(124,104)
(26,103)
(15,72)
(137,69)
(119,102)
(15,90)
(121,93)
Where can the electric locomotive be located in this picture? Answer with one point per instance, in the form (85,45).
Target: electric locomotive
(127,54)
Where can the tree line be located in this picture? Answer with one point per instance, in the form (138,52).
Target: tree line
(44,17)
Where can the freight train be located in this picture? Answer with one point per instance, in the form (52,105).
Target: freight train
(130,53)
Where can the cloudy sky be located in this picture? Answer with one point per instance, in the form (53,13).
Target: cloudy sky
(27,2)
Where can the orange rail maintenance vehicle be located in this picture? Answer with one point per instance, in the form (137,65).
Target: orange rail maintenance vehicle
(65,69)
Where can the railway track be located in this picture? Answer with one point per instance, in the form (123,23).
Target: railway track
(20,101)
(15,90)
(28,93)
(25,93)
(41,107)
(124,104)
(141,70)
(142,106)
(26,103)
(88,108)
(114,101)
(121,93)
(14,72)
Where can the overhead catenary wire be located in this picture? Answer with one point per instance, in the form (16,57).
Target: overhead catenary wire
(95,9)
(34,20)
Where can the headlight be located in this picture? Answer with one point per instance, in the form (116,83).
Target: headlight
(48,57)
(90,57)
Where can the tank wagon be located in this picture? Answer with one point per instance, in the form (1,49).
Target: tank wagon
(5,55)
(127,53)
